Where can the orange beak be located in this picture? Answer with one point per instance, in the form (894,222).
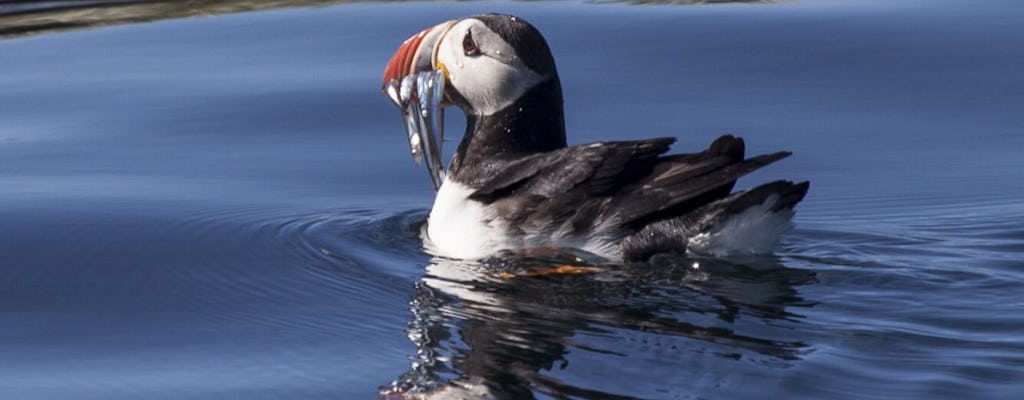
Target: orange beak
(415,54)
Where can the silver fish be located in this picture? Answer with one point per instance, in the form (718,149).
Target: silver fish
(419,97)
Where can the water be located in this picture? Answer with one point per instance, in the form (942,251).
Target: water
(224,207)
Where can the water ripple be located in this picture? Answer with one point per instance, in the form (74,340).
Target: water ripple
(479,329)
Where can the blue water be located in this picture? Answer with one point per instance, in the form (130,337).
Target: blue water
(224,207)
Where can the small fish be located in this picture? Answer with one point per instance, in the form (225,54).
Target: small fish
(419,97)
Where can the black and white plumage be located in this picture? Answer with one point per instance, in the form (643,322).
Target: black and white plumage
(513,182)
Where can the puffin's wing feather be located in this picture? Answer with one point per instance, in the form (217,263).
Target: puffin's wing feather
(628,162)
(511,175)
(685,185)
(591,169)
(614,184)
(597,168)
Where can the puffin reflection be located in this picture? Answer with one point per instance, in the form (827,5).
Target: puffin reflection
(501,328)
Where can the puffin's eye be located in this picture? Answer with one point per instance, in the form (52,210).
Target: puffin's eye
(469,47)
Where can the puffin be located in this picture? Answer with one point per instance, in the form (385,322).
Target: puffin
(514,183)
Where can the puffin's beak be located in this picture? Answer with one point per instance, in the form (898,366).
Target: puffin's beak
(415,83)
(416,54)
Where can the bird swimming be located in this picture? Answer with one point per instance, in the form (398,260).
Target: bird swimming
(514,183)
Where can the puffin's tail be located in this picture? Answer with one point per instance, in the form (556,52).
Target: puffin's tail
(746,222)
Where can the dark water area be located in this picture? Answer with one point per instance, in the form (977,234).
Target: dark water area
(224,207)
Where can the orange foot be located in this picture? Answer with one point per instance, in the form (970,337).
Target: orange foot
(538,272)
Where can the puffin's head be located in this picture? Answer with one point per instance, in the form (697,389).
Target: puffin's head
(489,60)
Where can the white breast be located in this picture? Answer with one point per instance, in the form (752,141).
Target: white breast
(459,227)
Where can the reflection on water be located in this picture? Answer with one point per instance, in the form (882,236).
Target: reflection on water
(481,333)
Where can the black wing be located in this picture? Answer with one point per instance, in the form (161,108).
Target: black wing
(614,185)
(592,169)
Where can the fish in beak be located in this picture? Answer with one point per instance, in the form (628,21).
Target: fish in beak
(415,82)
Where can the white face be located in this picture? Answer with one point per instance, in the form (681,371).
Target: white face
(483,67)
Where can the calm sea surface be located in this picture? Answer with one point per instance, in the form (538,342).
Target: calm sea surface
(224,207)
